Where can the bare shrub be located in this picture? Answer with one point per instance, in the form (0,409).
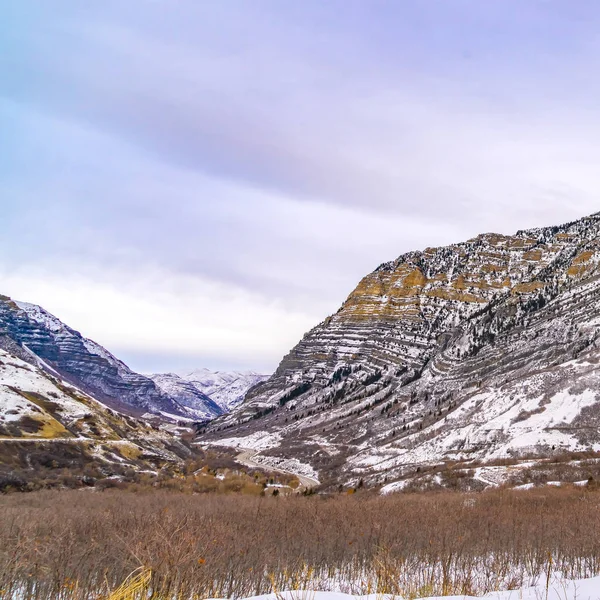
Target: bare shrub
(82,544)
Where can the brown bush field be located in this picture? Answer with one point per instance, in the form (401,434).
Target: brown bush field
(84,544)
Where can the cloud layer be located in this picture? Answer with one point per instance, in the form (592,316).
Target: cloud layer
(200,182)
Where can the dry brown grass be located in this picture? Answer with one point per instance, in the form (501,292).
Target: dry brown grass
(84,544)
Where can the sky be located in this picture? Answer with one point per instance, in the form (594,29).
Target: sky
(197,183)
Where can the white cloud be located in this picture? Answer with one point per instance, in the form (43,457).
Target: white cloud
(158,313)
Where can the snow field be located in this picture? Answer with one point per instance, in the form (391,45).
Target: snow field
(557,589)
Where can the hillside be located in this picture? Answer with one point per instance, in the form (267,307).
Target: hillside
(470,354)
(50,431)
(39,337)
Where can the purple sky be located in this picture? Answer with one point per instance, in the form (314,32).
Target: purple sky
(197,183)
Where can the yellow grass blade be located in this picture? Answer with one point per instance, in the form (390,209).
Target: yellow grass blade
(134,587)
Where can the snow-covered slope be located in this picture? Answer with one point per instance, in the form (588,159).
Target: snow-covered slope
(188,395)
(38,407)
(226,388)
(556,589)
(479,351)
(27,329)
(30,400)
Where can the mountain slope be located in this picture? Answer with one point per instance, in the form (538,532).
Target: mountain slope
(50,429)
(211,393)
(481,350)
(36,405)
(36,335)
(226,388)
(187,394)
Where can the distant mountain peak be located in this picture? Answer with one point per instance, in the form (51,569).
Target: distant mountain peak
(186,394)
(226,389)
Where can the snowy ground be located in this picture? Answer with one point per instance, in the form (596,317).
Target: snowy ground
(260,440)
(18,376)
(519,418)
(558,589)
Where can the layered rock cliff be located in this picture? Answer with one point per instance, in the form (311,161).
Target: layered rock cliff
(430,347)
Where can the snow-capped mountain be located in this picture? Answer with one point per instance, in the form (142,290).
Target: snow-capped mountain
(39,337)
(484,350)
(225,389)
(187,394)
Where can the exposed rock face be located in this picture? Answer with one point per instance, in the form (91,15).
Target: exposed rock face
(396,314)
(430,347)
(39,337)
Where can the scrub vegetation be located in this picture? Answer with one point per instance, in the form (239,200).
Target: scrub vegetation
(74,544)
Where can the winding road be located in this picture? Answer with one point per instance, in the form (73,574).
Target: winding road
(246,458)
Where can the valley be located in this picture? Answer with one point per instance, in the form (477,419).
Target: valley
(447,367)
(299,300)
(456,388)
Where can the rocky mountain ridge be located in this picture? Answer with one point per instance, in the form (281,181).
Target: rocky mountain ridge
(478,351)
(37,336)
